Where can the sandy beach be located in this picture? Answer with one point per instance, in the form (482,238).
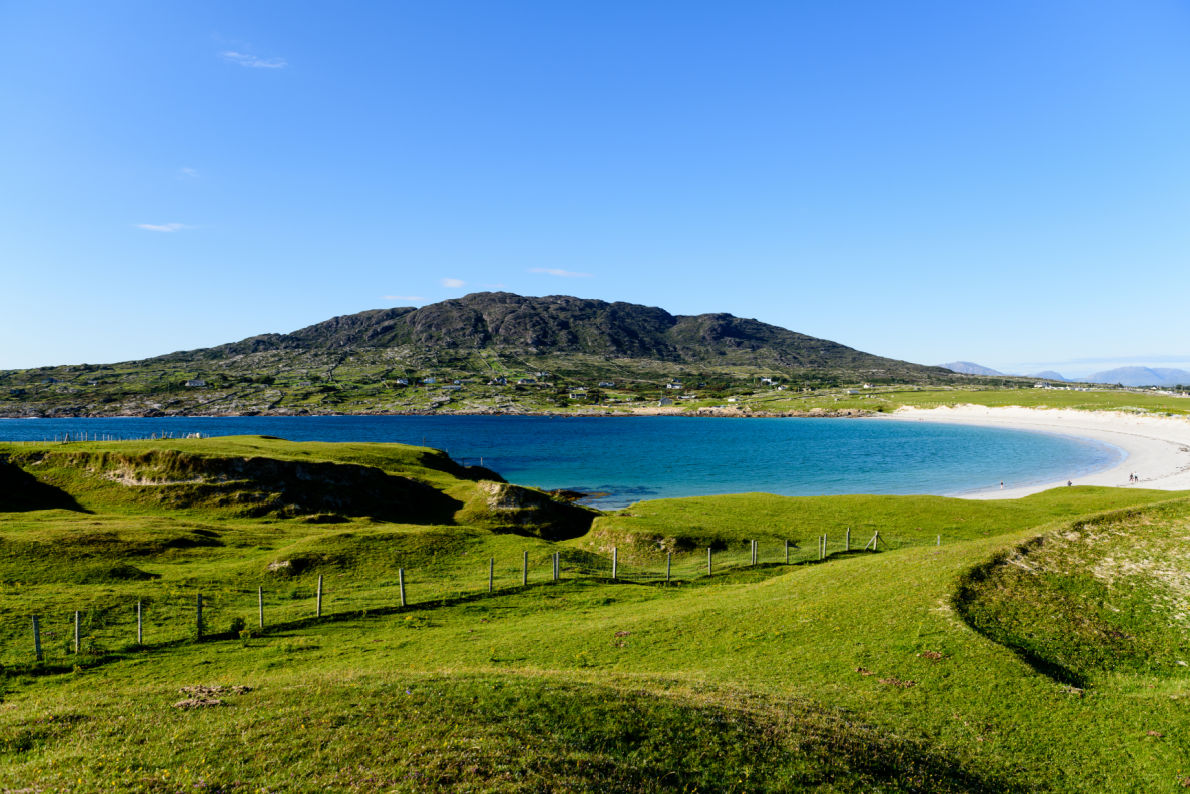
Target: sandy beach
(1157,447)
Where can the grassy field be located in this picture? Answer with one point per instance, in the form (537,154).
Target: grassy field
(1039,647)
(885,399)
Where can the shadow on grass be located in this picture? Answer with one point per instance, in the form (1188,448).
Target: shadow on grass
(21,492)
(968,595)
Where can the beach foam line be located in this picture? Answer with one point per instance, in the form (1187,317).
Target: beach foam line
(1157,447)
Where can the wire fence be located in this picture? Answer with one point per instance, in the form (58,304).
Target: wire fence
(105,622)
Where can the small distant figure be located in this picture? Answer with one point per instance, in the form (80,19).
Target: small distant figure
(1069,483)
(1001,485)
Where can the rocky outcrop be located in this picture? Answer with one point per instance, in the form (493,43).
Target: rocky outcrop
(529,511)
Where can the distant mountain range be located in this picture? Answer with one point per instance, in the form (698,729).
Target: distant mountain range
(1126,376)
(1142,376)
(970,368)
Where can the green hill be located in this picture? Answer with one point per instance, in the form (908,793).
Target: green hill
(965,654)
(470,354)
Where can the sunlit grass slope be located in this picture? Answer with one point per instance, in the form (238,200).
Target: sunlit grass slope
(886,399)
(916,668)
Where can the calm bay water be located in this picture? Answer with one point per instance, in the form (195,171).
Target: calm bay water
(634,458)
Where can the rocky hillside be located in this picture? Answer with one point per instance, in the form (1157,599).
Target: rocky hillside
(374,360)
(560,324)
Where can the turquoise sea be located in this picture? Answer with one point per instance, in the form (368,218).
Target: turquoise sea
(633,458)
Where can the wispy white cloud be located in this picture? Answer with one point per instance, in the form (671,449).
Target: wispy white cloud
(253,61)
(554,271)
(410,298)
(453,283)
(186,172)
(163,227)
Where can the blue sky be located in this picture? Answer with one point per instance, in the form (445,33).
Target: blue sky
(1006,183)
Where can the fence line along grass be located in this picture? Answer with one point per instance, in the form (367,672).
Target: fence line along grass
(155,614)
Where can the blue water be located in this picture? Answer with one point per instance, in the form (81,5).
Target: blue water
(651,457)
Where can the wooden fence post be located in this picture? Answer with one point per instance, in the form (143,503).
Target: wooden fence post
(786,552)
(260,607)
(140,634)
(847,540)
(401,581)
(938,542)
(77,630)
(615,561)
(708,560)
(668,560)
(198,615)
(525,570)
(36,639)
(491,573)
(318,599)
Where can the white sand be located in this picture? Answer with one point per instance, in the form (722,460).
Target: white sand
(1157,447)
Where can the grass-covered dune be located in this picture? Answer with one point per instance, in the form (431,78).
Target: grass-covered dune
(1038,648)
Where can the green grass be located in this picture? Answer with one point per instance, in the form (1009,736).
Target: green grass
(1104,598)
(887,399)
(918,668)
(647,530)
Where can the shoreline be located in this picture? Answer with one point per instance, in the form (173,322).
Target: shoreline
(1157,448)
(719,413)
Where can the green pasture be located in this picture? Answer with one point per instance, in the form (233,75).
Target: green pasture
(1039,647)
